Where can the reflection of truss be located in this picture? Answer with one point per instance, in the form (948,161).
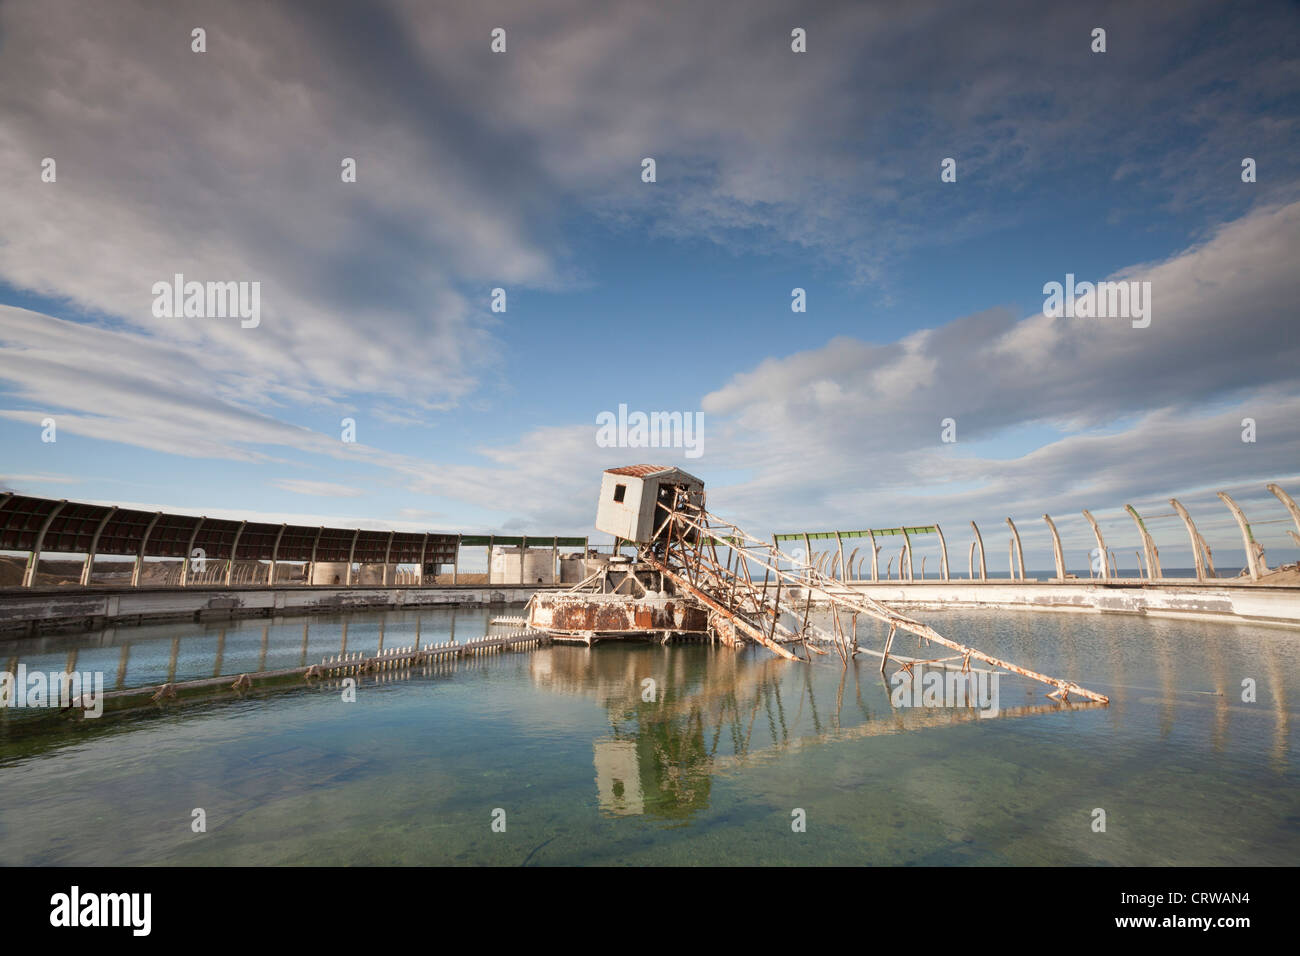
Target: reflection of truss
(685,550)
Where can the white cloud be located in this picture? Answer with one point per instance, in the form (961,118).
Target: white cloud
(322,489)
(226,165)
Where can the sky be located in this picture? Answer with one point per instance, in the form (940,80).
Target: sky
(774,170)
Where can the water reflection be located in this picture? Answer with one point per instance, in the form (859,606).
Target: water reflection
(712,711)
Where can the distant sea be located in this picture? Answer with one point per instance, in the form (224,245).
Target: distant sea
(1046,574)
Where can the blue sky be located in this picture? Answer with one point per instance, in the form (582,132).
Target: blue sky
(775,170)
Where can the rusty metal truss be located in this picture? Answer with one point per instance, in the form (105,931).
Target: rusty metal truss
(685,550)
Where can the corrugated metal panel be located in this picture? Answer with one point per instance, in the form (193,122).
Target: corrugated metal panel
(296,542)
(335,544)
(21,519)
(216,538)
(638,471)
(372,547)
(73,528)
(72,531)
(257,541)
(124,530)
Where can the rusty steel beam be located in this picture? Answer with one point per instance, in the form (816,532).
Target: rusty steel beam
(943,554)
(1287,500)
(1148,545)
(1020,552)
(1193,535)
(705,524)
(1101,544)
(979,543)
(1057,555)
(1252,547)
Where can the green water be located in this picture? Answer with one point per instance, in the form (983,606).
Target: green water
(710,772)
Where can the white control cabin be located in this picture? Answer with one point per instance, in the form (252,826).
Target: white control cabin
(629,495)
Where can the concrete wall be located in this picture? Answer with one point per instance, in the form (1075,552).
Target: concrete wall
(1234,603)
(23,612)
(538,566)
(28,611)
(328,573)
(575,568)
(335,574)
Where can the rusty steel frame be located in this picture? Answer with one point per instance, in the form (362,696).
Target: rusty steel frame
(688,537)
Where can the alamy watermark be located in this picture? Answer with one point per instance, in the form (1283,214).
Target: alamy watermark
(683,430)
(1100,300)
(75,908)
(208,300)
(53,689)
(946,688)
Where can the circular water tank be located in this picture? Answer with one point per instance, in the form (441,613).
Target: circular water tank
(327,573)
(538,567)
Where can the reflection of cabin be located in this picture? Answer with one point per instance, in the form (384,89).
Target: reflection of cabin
(629,496)
(618,777)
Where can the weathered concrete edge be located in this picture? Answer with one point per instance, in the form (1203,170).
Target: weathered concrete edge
(1276,606)
(28,613)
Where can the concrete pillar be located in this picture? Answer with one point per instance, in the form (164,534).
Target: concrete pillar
(1195,538)
(1020,552)
(34,558)
(388,552)
(971,572)
(275,554)
(1247,538)
(139,556)
(1101,545)
(907,546)
(424,550)
(234,551)
(853,576)
(94,546)
(979,542)
(875,557)
(840,544)
(1057,555)
(189,553)
(352,552)
(943,554)
(311,565)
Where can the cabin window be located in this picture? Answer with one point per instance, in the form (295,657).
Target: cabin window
(619,492)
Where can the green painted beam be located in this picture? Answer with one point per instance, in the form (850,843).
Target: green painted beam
(879,532)
(534,541)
